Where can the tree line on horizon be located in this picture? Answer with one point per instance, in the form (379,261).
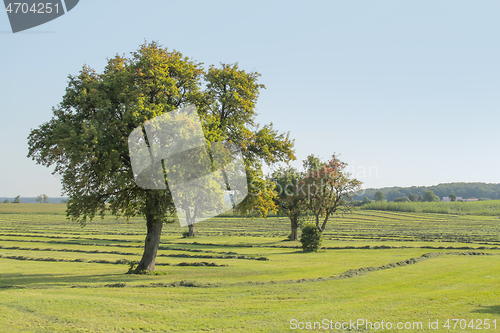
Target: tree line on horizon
(42,198)
(481,191)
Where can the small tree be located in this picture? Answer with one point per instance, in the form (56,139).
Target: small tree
(412,197)
(6,201)
(311,238)
(289,200)
(402,199)
(379,196)
(453,197)
(45,198)
(365,201)
(202,196)
(429,196)
(333,190)
(39,199)
(17,199)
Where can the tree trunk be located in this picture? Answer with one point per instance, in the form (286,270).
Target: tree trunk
(191,230)
(294,235)
(152,242)
(317,223)
(323,226)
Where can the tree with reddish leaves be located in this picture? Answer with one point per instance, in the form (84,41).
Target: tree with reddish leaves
(329,188)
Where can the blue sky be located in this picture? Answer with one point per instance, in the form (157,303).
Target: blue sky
(406,92)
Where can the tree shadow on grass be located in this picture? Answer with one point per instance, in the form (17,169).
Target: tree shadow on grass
(30,280)
(491,309)
(291,252)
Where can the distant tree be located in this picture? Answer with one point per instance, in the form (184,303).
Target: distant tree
(379,196)
(289,200)
(465,190)
(412,197)
(402,199)
(429,196)
(453,197)
(17,200)
(6,201)
(45,198)
(365,201)
(204,196)
(420,198)
(39,198)
(329,189)
(393,194)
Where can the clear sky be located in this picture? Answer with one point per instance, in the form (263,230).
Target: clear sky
(406,91)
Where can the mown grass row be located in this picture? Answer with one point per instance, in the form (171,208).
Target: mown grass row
(479,208)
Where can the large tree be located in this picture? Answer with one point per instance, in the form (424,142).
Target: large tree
(86,139)
(329,188)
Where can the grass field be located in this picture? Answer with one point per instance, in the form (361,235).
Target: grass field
(477,208)
(239,275)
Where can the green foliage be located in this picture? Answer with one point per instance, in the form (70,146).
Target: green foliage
(412,197)
(379,196)
(402,199)
(482,208)
(17,199)
(453,197)
(312,163)
(464,190)
(6,201)
(429,196)
(132,265)
(329,189)
(365,201)
(290,201)
(42,198)
(231,95)
(86,140)
(311,238)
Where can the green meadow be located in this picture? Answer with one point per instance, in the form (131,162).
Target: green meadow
(484,208)
(240,274)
